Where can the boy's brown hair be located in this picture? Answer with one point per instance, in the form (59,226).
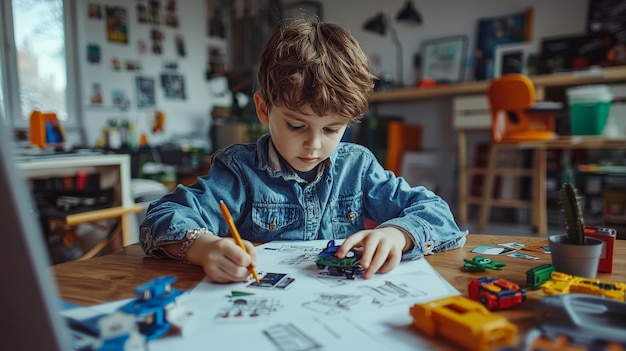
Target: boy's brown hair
(306,61)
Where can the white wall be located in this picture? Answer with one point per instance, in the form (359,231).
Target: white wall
(443,18)
(191,116)
(184,117)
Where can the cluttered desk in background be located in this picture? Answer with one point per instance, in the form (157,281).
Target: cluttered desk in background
(113,277)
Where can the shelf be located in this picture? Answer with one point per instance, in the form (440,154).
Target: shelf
(605,75)
(114,170)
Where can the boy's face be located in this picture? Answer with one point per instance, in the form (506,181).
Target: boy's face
(304,140)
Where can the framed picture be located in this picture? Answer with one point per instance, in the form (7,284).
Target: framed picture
(607,16)
(511,58)
(443,60)
(494,31)
(572,52)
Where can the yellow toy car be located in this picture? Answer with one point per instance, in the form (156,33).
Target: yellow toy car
(465,322)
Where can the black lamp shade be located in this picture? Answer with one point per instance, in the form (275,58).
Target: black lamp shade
(376,24)
(409,13)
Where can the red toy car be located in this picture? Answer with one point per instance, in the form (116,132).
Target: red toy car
(496,293)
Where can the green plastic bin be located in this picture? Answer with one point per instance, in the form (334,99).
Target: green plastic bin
(589,108)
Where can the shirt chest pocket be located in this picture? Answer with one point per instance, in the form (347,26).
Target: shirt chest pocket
(276,222)
(347,216)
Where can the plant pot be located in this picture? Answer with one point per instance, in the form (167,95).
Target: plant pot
(578,260)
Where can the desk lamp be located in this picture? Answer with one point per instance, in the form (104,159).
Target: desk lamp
(380,23)
(409,14)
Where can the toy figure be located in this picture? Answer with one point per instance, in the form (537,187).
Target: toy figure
(481,263)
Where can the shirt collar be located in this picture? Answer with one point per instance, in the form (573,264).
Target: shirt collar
(275,164)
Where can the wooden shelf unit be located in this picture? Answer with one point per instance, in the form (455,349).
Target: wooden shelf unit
(116,168)
(599,76)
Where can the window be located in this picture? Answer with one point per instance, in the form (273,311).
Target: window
(35,63)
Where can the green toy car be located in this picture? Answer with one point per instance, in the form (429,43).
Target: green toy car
(348,266)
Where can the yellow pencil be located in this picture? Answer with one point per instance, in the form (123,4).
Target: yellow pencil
(235,234)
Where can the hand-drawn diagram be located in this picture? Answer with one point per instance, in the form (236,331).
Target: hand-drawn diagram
(296,260)
(391,293)
(331,304)
(247,309)
(288,337)
(298,248)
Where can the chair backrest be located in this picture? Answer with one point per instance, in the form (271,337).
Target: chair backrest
(401,137)
(511,92)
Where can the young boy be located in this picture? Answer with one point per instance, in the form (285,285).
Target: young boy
(299,182)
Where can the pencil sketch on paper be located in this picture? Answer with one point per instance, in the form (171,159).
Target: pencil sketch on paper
(298,248)
(296,260)
(331,304)
(288,337)
(247,309)
(391,293)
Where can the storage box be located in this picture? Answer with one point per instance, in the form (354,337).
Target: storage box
(589,107)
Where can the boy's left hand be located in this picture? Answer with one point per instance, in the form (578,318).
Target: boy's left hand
(382,249)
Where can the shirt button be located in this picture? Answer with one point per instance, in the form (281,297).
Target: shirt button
(428,247)
(272,226)
(352,215)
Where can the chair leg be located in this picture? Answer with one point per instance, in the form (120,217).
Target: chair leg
(489,178)
(462,195)
(109,241)
(540,183)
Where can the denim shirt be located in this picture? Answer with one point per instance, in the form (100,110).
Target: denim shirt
(269,201)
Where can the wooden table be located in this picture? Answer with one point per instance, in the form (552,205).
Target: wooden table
(112,277)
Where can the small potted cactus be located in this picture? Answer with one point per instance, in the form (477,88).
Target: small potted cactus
(573,253)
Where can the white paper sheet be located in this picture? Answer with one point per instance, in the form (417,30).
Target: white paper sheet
(313,313)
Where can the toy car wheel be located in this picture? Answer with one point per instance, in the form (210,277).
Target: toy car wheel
(320,266)
(334,271)
(350,254)
(485,301)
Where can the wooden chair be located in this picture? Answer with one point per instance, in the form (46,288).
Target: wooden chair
(401,137)
(515,119)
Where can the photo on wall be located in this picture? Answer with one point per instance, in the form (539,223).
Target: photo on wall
(173,86)
(145,92)
(117,24)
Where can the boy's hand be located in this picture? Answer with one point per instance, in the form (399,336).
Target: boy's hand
(222,259)
(381,248)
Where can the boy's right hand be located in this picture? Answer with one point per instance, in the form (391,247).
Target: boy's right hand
(222,260)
